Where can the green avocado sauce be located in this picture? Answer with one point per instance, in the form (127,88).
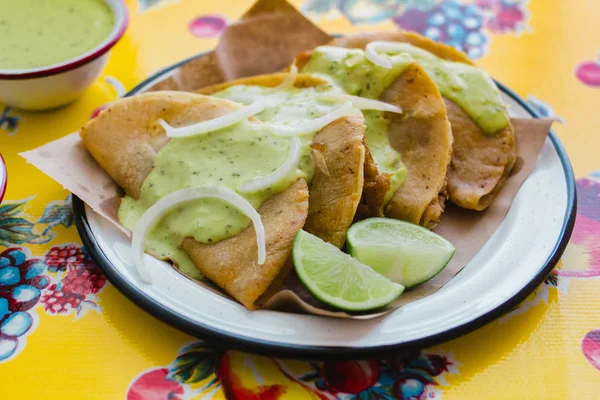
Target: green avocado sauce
(349,70)
(469,87)
(226,157)
(38,33)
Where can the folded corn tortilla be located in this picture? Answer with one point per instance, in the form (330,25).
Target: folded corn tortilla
(422,136)
(125,138)
(480,163)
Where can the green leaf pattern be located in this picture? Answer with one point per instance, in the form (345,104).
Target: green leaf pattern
(17,227)
(194,364)
(57,213)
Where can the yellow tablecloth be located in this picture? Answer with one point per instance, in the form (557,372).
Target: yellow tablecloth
(67,333)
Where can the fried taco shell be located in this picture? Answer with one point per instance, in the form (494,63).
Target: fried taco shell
(422,136)
(125,138)
(481,163)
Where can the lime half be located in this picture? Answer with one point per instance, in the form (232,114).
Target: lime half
(339,280)
(406,253)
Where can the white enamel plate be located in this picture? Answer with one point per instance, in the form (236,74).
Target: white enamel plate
(511,265)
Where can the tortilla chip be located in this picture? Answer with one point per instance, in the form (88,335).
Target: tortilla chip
(481,163)
(337,184)
(232,263)
(125,139)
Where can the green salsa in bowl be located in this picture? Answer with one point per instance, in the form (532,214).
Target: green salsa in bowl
(52,50)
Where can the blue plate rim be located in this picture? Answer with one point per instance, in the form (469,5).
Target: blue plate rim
(221,339)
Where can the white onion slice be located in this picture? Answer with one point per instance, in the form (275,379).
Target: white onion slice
(264,182)
(372,53)
(289,80)
(245,99)
(216,123)
(161,207)
(362,103)
(314,125)
(374,48)
(352,61)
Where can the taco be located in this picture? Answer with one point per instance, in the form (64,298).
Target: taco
(207,237)
(408,153)
(484,149)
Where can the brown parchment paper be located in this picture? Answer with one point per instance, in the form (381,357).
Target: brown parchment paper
(266,40)
(468,230)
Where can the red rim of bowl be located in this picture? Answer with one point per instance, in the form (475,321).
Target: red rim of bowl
(69,65)
(3,178)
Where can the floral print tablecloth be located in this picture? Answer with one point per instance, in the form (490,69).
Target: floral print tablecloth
(65,332)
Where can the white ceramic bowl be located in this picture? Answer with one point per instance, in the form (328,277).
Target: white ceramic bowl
(56,85)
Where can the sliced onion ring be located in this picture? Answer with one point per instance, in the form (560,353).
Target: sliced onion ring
(362,102)
(372,53)
(161,207)
(374,48)
(352,61)
(264,182)
(317,124)
(216,123)
(245,99)
(289,80)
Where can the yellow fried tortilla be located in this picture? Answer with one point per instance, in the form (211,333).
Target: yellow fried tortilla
(232,263)
(126,136)
(480,163)
(360,40)
(422,136)
(339,151)
(124,140)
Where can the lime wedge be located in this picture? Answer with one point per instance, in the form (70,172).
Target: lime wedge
(337,279)
(406,253)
